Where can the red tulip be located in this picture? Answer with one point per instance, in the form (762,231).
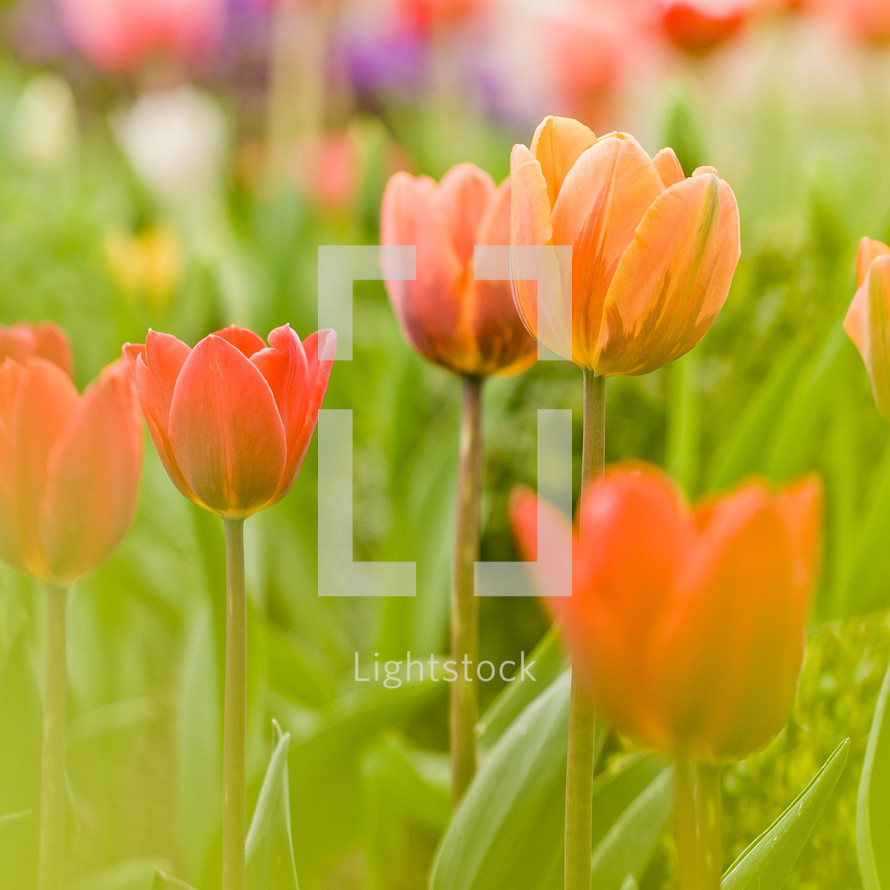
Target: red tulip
(23,340)
(697,29)
(469,327)
(232,418)
(120,35)
(69,467)
(686,625)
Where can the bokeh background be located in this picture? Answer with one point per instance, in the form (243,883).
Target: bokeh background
(177,165)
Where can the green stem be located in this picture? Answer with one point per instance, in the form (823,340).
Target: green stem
(709,805)
(52,784)
(235,720)
(685,828)
(464,605)
(697,823)
(582,719)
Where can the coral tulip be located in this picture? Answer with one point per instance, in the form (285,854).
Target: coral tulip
(119,35)
(697,29)
(232,418)
(69,467)
(866,321)
(469,327)
(687,625)
(653,253)
(25,340)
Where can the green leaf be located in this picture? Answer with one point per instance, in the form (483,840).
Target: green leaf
(163,881)
(549,661)
(768,861)
(630,842)
(630,883)
(507,832)
(270,852)
(745,447)
(873,814)
(135,874)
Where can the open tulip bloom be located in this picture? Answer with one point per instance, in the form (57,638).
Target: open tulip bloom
(469,327)
(232,420)
(680,618)
(69,473)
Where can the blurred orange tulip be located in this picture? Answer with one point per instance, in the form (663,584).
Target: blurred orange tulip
(44,340)
(697,28)
(469,327)
(69,467)
(232,418)
(653,253)
(686,625)
(867,319)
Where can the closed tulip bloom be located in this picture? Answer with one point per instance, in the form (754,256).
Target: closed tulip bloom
(44,340)
(232,418)
(867,319)
(687,625)
(69,468)
(469,327)
(652,252)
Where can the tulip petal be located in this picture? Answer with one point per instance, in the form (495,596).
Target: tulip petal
(673,279)
(10,378)
(868,325)
(869,251)
(463,196)
(668,166)
(557,144)
(45,401)
(93,476)
(533,539)
(541,295)
(244,340)
(429,308)
(225,430)
(731,632)
(156,367)
(305,401)
(501,342)
(634,533)
(45,340)
(602,201)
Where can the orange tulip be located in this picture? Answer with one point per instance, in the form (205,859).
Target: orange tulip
(24,340)
(232,418)
(653,253)
(69,468)
(698,29)
(469,327)
(686,625)
(867,319)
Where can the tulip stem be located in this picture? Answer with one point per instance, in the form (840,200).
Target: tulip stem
(464,605)
(582,718)
(685,828)
(235,718)
(697,826)
(709,801)
(52,783)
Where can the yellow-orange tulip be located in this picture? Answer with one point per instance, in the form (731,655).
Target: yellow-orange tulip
(868,319)
(653,252)
(687,626)
(469,327)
